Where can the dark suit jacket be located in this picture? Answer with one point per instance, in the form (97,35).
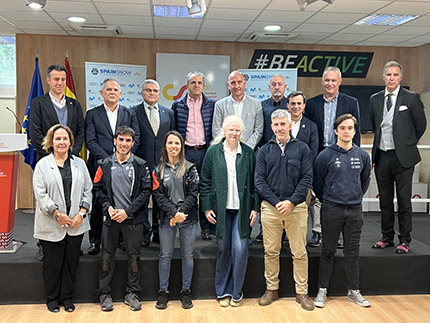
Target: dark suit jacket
(308,133)
(99,135)
(43,116)
(409,124)
(346,104)
(151,145)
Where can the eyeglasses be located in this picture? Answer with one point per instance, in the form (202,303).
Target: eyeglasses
(151,90)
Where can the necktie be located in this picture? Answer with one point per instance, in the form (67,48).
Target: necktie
(389,102)
(152,120)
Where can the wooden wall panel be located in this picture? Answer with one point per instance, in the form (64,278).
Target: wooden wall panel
(143,51)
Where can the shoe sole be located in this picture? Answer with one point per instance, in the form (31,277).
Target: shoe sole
(319,305)
(187,307)
(107,309)
(133,308)
(362,305)
(160,307)
(314,245)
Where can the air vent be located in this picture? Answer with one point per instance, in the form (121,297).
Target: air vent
(271,37)
(97,30)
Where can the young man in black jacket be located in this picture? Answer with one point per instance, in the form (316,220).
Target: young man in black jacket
(341,177)
(123,186)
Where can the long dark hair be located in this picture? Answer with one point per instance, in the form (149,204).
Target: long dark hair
(165,158)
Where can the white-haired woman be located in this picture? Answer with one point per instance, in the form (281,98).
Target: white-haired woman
(230,202)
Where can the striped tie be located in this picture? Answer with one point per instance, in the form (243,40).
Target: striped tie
(152,120)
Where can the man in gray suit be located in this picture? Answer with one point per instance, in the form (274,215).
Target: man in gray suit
(241,105)
(398,121)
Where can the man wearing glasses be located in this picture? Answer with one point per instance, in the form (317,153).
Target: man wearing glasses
(154,122)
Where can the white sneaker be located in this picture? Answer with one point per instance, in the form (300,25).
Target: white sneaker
(321,298)
(355,296)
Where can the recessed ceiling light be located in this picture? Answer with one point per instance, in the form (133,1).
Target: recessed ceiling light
(386,20)
(76,19)
(272,28)
(35,4)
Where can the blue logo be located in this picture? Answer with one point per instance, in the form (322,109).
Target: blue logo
(94,71)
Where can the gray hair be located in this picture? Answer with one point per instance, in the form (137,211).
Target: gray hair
(55,67)
(150,81)
(277,75)
(110,80)
(280,113)
(392,63)
(226,123)
(332,69)
(192,74)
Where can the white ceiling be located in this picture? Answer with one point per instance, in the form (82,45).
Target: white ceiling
(228,20)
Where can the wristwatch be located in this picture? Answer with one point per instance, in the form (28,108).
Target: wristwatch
(84,215)
(57,216)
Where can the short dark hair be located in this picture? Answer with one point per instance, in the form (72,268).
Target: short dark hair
(124,130)
(294,94)
(344,117)
(56,67)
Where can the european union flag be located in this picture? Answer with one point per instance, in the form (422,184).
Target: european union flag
(36,90)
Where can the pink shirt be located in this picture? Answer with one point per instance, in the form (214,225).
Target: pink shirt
(195,135)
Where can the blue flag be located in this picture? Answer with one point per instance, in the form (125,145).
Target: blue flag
(36,90)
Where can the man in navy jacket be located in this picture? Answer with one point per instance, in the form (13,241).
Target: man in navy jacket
(341,177)
(324,108)
(283,176)
(193,116)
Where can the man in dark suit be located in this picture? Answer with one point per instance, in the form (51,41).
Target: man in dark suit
(277,87)
(154,122)
(399,121)
(55,107)
(325,108)
(306,131)
(193,116)
(52,108)
(100,126)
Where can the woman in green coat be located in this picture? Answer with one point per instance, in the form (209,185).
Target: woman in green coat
(230,202)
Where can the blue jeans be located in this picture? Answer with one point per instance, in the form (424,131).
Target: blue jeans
(232,260)
(187,236)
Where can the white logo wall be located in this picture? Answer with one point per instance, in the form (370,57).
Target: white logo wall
(130,77)
(172,70)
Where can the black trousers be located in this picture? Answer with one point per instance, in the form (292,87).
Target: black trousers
(60,266)
(334,220)
(96,221)
(132,235)
(388,171)
(196,156)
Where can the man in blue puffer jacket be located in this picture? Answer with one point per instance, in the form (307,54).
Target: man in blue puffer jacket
(193,117)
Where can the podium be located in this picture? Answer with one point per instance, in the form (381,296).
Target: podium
(10,145)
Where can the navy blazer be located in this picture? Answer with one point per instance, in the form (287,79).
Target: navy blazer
(99,136)
(151,145)
(345,104)
(409,124)
(308,133)
(43,116)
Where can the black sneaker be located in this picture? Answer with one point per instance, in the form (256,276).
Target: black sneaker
(340,243)
(94,249)
(186,301)
(259,238)
(106,302)
(206,235)
(162,300)
(315,240)
(133,302)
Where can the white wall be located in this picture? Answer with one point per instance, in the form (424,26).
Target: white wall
(7,120)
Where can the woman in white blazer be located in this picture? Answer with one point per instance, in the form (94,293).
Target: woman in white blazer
(62,187)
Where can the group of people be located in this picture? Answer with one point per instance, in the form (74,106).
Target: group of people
(218,164)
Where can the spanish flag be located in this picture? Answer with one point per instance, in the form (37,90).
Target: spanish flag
(71,93)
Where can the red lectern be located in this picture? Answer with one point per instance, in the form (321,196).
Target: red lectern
(10,145)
